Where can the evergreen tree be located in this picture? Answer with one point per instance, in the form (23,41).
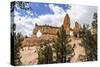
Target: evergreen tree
(94,22)
(45,54)
(89,42)
(61,46)
(13,26)
(17,47)
(16,39)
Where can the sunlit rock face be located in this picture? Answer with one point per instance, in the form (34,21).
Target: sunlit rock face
(76,28)
(43,33)
(29,55)
(39,34)
(67,23)
(48,33)
(71,33)
(45,29)
(79,51)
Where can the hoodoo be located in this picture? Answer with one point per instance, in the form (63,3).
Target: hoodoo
(67,23)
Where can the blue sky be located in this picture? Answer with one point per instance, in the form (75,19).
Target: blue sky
(50,14)
(40,9)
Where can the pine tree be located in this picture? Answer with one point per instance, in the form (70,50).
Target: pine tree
(45,54)
(16,39)
(61,46)
(89,42)
(17,47)
(94,22)
(94,42)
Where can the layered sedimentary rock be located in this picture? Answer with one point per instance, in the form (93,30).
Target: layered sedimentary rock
(48,33)
(45,29)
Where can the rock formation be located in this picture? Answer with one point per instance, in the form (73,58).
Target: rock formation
(67,23)
(45,29)
(42,33)
(76,28)
(48,33)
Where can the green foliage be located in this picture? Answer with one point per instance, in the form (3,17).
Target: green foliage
(45,54)
(61,46)
(89,39)
(94,23)
(89,42)
(17,46)
(63,49)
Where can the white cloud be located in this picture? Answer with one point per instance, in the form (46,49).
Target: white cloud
(81,13)
(24,25)
(30,14)
(56,9)
(54,20)
(16,13)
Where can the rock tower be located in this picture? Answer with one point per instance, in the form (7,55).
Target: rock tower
(67,23)
(76,28)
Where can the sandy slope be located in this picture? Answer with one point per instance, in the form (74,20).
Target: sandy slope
(29,55)
(79,51)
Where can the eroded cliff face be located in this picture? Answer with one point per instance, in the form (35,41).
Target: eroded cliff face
(46,29)
(41,34)
(79,51)
(49,33)
(30,56)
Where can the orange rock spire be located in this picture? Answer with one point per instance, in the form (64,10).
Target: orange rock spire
(67,23)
